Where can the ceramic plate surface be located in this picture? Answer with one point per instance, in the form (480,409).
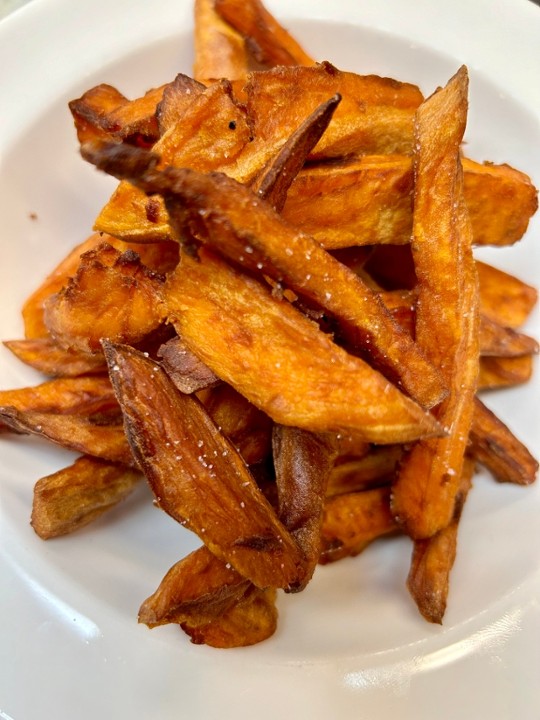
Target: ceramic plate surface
(352,645)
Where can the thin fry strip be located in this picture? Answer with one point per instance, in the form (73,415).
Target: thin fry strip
(78,396)
(46,356)
(447,311)
(433,558)
(196,474)
(493,445)
(302,462)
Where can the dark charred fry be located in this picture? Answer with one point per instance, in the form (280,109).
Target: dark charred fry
(353,520)
(196,474)
(77,495)
(433,559)
(302,462)
(495,447)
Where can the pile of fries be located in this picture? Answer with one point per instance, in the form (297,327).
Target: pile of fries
(279,323)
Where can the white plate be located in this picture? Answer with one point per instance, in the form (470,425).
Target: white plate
(352,645)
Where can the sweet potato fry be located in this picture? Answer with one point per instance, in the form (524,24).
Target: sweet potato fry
(251,233)
(184,368)
(100,437)
(249,621)
(208,136)
(495,447)
(447,311)
(433,558)
(503,297)
(196,474)
(220,50)
(352,521)
(266,38)
(498,341)
(77,495)
(501,372)
(46,356)
(111,295)
(177,97)
(64,396)
(368,200)
(200,586)
(91,110)
(302,462)
(281,361)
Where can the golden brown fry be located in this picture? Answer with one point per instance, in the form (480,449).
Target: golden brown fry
(46,356)
(501,372)
(302,462)
(196,474)
(433,559)
(266,38)
(503,297)
(220,50)
(495,447)
(177,97)
(368,200)
(64,396)
(447,311)
(207,136)
(198,587)
(498,341)
(77,495)
(101,437)
(90,112)
(112,295)
(375,115)
(352,521)
(249,621)
(281,361)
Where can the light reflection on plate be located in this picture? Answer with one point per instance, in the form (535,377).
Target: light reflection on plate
(352,645)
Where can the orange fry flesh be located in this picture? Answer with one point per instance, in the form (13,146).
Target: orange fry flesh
(447,311)
(308,381)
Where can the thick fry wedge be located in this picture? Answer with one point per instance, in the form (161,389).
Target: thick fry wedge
(111,295)
(198,587)
(352,521)
(368,200)
(447,314)
(302,462)
(220,50)
(495,447)
(77,495)
(281,361)
(49,358)
(196,474)
(433,558)
(266,38)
